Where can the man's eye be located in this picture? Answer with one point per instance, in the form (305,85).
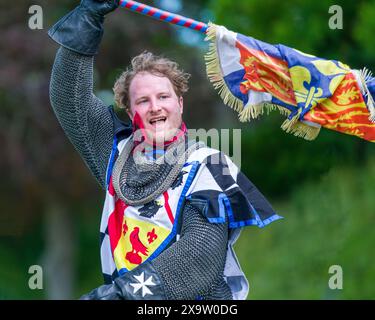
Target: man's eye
(164,97)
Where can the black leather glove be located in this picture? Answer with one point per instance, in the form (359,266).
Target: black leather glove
(105,292)
(142,283)
(81,30)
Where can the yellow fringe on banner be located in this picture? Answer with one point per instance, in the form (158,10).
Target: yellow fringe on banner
(293,126)
(255,110)
(300,129)
(214,71)
(215,75)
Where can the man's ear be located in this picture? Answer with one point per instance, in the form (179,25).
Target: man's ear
(130,114)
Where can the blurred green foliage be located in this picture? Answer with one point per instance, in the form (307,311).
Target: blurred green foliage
(325,223)
(280,168)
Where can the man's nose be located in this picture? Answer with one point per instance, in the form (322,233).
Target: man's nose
(155,105)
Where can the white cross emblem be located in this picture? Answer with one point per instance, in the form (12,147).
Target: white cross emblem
(143,284)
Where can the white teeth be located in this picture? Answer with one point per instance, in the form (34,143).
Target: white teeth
(157,120)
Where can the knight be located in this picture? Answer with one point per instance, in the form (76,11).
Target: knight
(174,207)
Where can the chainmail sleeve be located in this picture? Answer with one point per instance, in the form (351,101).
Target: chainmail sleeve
(193,266)
(85,119)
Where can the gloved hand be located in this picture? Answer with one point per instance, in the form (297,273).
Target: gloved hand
(81,30)
(104,292)
(142,283)
(100,7)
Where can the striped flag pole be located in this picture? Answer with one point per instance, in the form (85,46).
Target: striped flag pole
(163,15)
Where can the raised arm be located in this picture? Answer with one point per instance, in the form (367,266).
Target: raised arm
(87,122)
(85,119)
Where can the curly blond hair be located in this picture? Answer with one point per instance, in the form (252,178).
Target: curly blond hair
(148,62)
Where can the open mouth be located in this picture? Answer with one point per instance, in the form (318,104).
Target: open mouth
(158,121)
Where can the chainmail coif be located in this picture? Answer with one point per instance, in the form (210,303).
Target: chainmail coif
(138,180)
(193,265)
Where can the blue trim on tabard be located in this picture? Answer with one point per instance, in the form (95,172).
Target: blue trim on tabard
(163,245)
(272,219)
(257,217)
(123,271)
(189,180)
(254,222)
(222,207)
(228,207)
(111,161)
(250,222)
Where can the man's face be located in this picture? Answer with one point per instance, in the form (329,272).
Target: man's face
(157,104)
